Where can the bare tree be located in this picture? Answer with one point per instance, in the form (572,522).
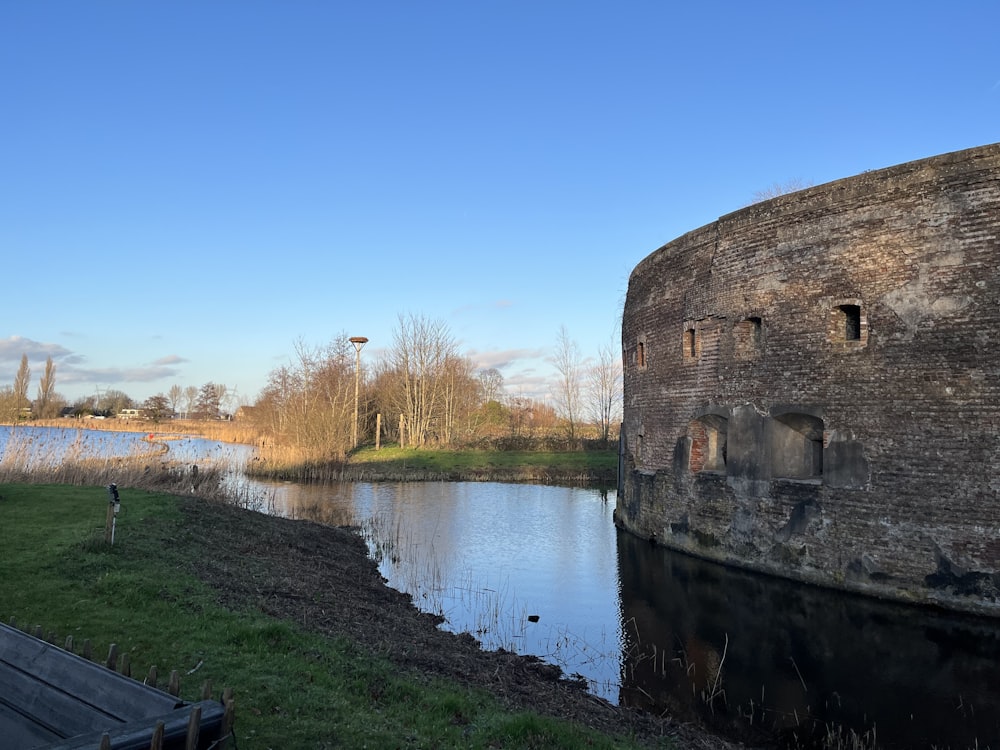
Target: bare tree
(21,402)
(8,404)
(605,389)
(190,399)
(460,397)
(421,351)
(112,402)
(45,403)
(491,383)
(308,405)
(175,396)
(569,365)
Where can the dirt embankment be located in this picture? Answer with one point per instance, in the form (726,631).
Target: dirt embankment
(278,566)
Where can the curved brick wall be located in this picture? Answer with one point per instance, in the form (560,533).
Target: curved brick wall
(811,385)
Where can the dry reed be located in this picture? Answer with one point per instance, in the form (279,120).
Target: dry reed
(33,457)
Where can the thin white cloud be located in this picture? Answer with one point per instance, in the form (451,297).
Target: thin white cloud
(14,347)
(115,375)
(504,358)
(170,359)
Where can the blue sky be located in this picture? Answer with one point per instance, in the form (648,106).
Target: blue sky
(187,189)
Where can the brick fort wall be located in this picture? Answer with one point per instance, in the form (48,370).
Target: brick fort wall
(811,386)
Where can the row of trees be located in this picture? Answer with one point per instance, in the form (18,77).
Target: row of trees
(211,401)
(428,394)
(15,403)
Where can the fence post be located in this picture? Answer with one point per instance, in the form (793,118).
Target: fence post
(194,729)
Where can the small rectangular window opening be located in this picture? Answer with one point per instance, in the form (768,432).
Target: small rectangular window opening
(640,354)
(852,322)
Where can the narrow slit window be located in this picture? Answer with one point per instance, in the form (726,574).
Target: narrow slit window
(640,354)
(690,343)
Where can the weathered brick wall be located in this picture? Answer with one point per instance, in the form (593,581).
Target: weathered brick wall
(817,389)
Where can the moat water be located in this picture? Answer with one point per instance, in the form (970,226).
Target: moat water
(542,570)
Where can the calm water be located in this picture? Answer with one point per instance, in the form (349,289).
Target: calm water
(528,568)
(49,445)
(752,656)
(542,570)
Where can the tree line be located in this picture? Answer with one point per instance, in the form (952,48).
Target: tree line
(419,392)
(211,401)
(422,392)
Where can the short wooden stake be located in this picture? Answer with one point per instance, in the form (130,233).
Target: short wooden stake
(228,717)
(156,743)
(88,653)
(68,646)
(174,684)
(112,662)
(206,690)
(109,525)
(105,742)
(126,666)
(151,677)
(194,727)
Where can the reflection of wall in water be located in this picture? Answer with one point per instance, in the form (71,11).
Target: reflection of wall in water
(861,661)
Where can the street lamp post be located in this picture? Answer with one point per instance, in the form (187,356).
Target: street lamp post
(358,341)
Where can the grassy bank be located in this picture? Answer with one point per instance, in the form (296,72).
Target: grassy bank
(591,468)
(174,593)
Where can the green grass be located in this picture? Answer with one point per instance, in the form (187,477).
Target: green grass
(294,689)
(484,460)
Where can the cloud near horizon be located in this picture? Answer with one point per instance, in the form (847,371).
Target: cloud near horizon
(505,358)
(170,359)
(14,347)
(115,375)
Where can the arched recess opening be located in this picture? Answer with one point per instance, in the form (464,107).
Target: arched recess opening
(795,444)
(708,435)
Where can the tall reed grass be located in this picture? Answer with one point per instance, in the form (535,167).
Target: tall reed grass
(34,457)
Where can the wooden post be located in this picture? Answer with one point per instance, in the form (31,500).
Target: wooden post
(378,431)
(174,684)
(151,677)
(157,741)
(112,662)
(109,523)
(402,426)
(194,727)
(228,717)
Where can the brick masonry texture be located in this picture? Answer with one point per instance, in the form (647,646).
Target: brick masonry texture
(811,386)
